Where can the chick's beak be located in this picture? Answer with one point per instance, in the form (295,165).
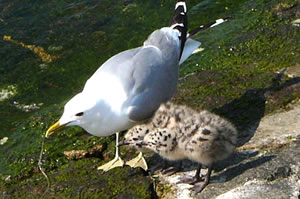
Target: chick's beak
(140,143)
(123,142)
(55,127)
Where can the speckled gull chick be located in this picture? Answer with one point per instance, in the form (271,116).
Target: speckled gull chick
(202,137)
(130,86)
(166,117)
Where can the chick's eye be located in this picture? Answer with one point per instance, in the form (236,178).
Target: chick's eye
(79,114)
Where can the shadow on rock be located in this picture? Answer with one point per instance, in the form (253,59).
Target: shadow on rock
(240,168)
(189,165)
(234,159)
(247,111)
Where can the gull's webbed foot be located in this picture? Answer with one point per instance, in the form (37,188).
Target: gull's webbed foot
(189,180)
(116,162)
(138,161)
(199,187)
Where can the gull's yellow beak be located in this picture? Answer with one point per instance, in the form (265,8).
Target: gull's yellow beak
(55,127)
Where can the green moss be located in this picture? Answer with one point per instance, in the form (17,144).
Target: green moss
(239,55)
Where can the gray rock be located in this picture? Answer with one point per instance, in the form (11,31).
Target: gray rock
(294,71)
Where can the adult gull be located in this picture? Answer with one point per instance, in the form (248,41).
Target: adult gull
(130,86)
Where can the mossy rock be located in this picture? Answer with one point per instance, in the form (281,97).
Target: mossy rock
(235,76)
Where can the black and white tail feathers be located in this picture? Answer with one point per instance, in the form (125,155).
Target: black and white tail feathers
(179,21)
(206,26)
(191,46)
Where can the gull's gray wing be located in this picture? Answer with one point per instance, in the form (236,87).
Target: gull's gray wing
(148,77)
(155,80)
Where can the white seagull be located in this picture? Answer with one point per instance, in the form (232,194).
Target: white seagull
(130,86)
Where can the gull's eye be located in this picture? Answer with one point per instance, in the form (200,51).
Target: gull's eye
(79,114)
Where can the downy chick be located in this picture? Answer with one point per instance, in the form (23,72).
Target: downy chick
(202,137)
(167,116)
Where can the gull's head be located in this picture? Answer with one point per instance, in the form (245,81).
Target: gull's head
(77,112)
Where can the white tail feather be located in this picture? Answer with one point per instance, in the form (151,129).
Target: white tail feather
(218,22)
(189,47)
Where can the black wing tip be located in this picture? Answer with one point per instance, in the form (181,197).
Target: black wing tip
(181,5)
(179,21)
(209,25)
(180,14)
